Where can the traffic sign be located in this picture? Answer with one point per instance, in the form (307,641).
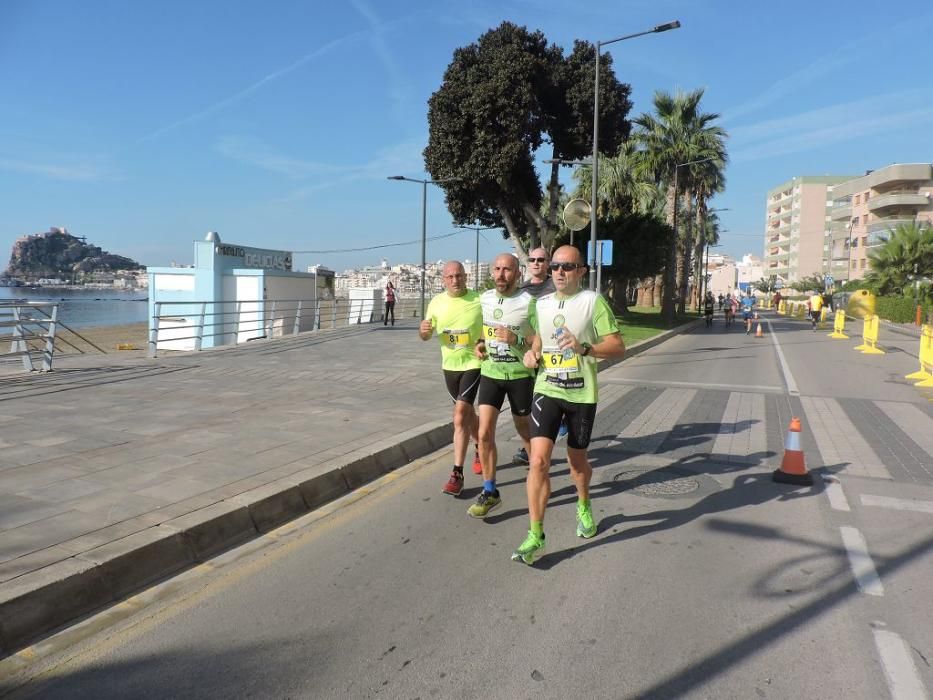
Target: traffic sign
(605,248)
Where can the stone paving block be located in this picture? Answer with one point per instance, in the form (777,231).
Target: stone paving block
(21,478)
(61,491)
(16,510)
(38,602)
(33,562)
(215,528)
(114,505)
(130,563)
(174,488)
(111,532)
(46,532)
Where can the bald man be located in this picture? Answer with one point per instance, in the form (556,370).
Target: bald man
(506,337)
(573,327)
(456,316)
(539,282)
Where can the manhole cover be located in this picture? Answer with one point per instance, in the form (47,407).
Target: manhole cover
(658,482)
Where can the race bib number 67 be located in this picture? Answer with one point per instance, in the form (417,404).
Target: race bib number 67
(556,363)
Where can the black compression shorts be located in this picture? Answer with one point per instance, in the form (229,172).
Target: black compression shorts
(493,391)
(462,386)
(546,415)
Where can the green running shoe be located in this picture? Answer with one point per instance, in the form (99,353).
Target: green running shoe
(532,547)
(586,528)
(485,502)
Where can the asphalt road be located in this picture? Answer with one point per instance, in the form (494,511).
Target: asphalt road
(706,580)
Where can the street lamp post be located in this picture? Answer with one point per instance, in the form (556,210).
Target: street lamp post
(599,44)
(476,262)
(424,222)
(849,246)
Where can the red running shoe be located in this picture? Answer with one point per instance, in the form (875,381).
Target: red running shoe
(454,484)
(477,465)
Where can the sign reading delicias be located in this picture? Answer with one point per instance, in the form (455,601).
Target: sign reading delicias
(257,258)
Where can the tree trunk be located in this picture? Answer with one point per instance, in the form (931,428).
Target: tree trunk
(516,239)
(670,269)
(658,291)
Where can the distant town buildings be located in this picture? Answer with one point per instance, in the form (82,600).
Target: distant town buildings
(828,225)
(797,219)
(405,277)
(866,208)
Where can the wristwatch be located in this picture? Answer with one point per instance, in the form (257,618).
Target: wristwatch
(586,349)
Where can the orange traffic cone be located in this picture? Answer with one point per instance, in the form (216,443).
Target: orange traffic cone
(793,467)
(758,333)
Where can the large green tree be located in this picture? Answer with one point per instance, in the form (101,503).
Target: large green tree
(677,133)
(503,98)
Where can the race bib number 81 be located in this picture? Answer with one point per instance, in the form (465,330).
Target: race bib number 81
(456,339)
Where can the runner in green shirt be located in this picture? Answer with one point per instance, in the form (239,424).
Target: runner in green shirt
(573,327)
(506,336)
(456,316)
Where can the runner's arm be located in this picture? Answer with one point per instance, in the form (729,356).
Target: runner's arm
(608,347)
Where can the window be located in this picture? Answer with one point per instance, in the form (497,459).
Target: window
(854,264)
(864,241)
(857,198)
(867,195)
(862,263)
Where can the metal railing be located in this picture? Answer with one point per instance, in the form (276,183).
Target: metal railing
(32,327)
(184,325)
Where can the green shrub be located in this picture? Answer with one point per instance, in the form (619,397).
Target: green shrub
(899,309)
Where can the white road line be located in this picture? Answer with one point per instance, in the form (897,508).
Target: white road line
(912,420)
(899,670)
(839,440)
(837,497)
(761,388)
(742,429)
(863,568)
(649,429)
(788,377)
(897,503)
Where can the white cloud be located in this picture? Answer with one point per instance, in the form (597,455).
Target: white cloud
(87,171)
(829,125)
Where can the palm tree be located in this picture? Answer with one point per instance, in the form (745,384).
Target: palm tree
(907,254)
(678,133)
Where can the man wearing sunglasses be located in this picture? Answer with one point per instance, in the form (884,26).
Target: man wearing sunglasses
(573,327)
(506,336)
(458,319)
(539,282)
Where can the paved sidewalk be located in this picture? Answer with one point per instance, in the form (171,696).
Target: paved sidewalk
(115,472)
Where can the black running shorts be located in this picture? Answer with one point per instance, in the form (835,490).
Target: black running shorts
(546,415)
(492,392)
(462,386)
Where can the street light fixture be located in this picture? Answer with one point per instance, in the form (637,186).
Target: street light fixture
(476,262)
(424,221)
(599,44)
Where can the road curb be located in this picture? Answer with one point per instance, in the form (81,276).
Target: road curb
(40,602)
(43,601)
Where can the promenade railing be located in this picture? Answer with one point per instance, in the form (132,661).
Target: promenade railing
(30,328)
(185,325)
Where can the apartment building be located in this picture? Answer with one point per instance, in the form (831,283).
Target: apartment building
(798,217)
(866,208)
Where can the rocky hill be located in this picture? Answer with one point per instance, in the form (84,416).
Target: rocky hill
(56,253)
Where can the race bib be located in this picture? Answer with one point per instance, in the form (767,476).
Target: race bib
(456,339)
(497,349)
(555,363)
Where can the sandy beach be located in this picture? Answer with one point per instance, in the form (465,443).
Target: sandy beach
(132,338)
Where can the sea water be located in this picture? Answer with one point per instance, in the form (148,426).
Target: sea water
(83,307)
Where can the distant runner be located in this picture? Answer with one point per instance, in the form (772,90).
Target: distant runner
(506,336)
(816,308)
(748,306)
(572,328)
(456,316)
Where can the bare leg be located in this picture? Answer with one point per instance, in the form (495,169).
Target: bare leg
(464,425)
(580,471)
(539,478)
(488,455)
(524,431)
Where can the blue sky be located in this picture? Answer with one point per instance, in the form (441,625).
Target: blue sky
(144,124)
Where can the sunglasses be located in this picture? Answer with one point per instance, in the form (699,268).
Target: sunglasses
(537,260)
(565,266)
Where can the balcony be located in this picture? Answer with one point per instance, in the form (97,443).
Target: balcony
(885,225)
(898,199)
(841,212)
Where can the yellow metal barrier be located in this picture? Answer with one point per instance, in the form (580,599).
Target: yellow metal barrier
(839,326)
(870,327)
(782,307)
(925,374)
(801,310)
(824,312)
